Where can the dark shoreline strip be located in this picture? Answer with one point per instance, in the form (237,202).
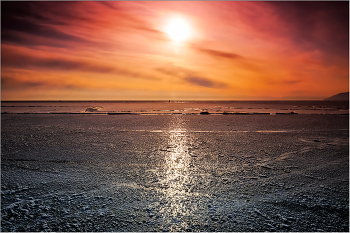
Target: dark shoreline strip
(121,113)
(173,113)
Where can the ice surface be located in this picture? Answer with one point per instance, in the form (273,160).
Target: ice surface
(174,172)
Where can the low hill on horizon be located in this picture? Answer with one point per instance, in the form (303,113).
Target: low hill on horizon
(340,96)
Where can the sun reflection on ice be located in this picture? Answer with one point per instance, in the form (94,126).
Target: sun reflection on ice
(177,162)
(177,177)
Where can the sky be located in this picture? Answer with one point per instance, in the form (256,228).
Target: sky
(125,50)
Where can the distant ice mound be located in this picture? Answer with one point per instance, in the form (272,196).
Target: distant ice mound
(341,96)
(92,109)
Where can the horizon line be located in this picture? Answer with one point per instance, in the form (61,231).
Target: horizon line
(162,100)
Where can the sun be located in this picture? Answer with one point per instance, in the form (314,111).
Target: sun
(178,29)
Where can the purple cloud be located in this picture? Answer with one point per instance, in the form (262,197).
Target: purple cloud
(199,81)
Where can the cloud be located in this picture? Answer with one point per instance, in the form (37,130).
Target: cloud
(28,27)
(322,25)
(291,82)
(109,5)
(283,81)
(239,61)
(9,83)
(13,84)
(295,26)
(24,24)
(69,24)
(25,10)
(216,53)
(190,76)
(175,71)
(12,59)
(199,81)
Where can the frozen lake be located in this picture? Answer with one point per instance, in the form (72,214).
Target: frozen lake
(83,172)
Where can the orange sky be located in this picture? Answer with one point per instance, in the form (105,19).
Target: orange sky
(120,51)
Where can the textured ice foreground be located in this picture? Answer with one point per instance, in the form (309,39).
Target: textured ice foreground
(174,172)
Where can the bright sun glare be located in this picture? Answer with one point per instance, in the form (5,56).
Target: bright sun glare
(178,29)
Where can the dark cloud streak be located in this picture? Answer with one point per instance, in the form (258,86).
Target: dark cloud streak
(26,17)
(284,81)
(37,30)
(9,83)
(21,61)
(35,23)
(190,76)
(199,81)
(109,5)
(216,53)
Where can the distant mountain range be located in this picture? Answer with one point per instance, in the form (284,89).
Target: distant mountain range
(340,96)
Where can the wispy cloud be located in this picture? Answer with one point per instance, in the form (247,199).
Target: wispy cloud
(175,71)
(69,24)
(284,81)
(109,5)
(15,59)
(292,82)
(190,76)
(8,83)
(24,23)
(217,53)
(204,82)
(322,25)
